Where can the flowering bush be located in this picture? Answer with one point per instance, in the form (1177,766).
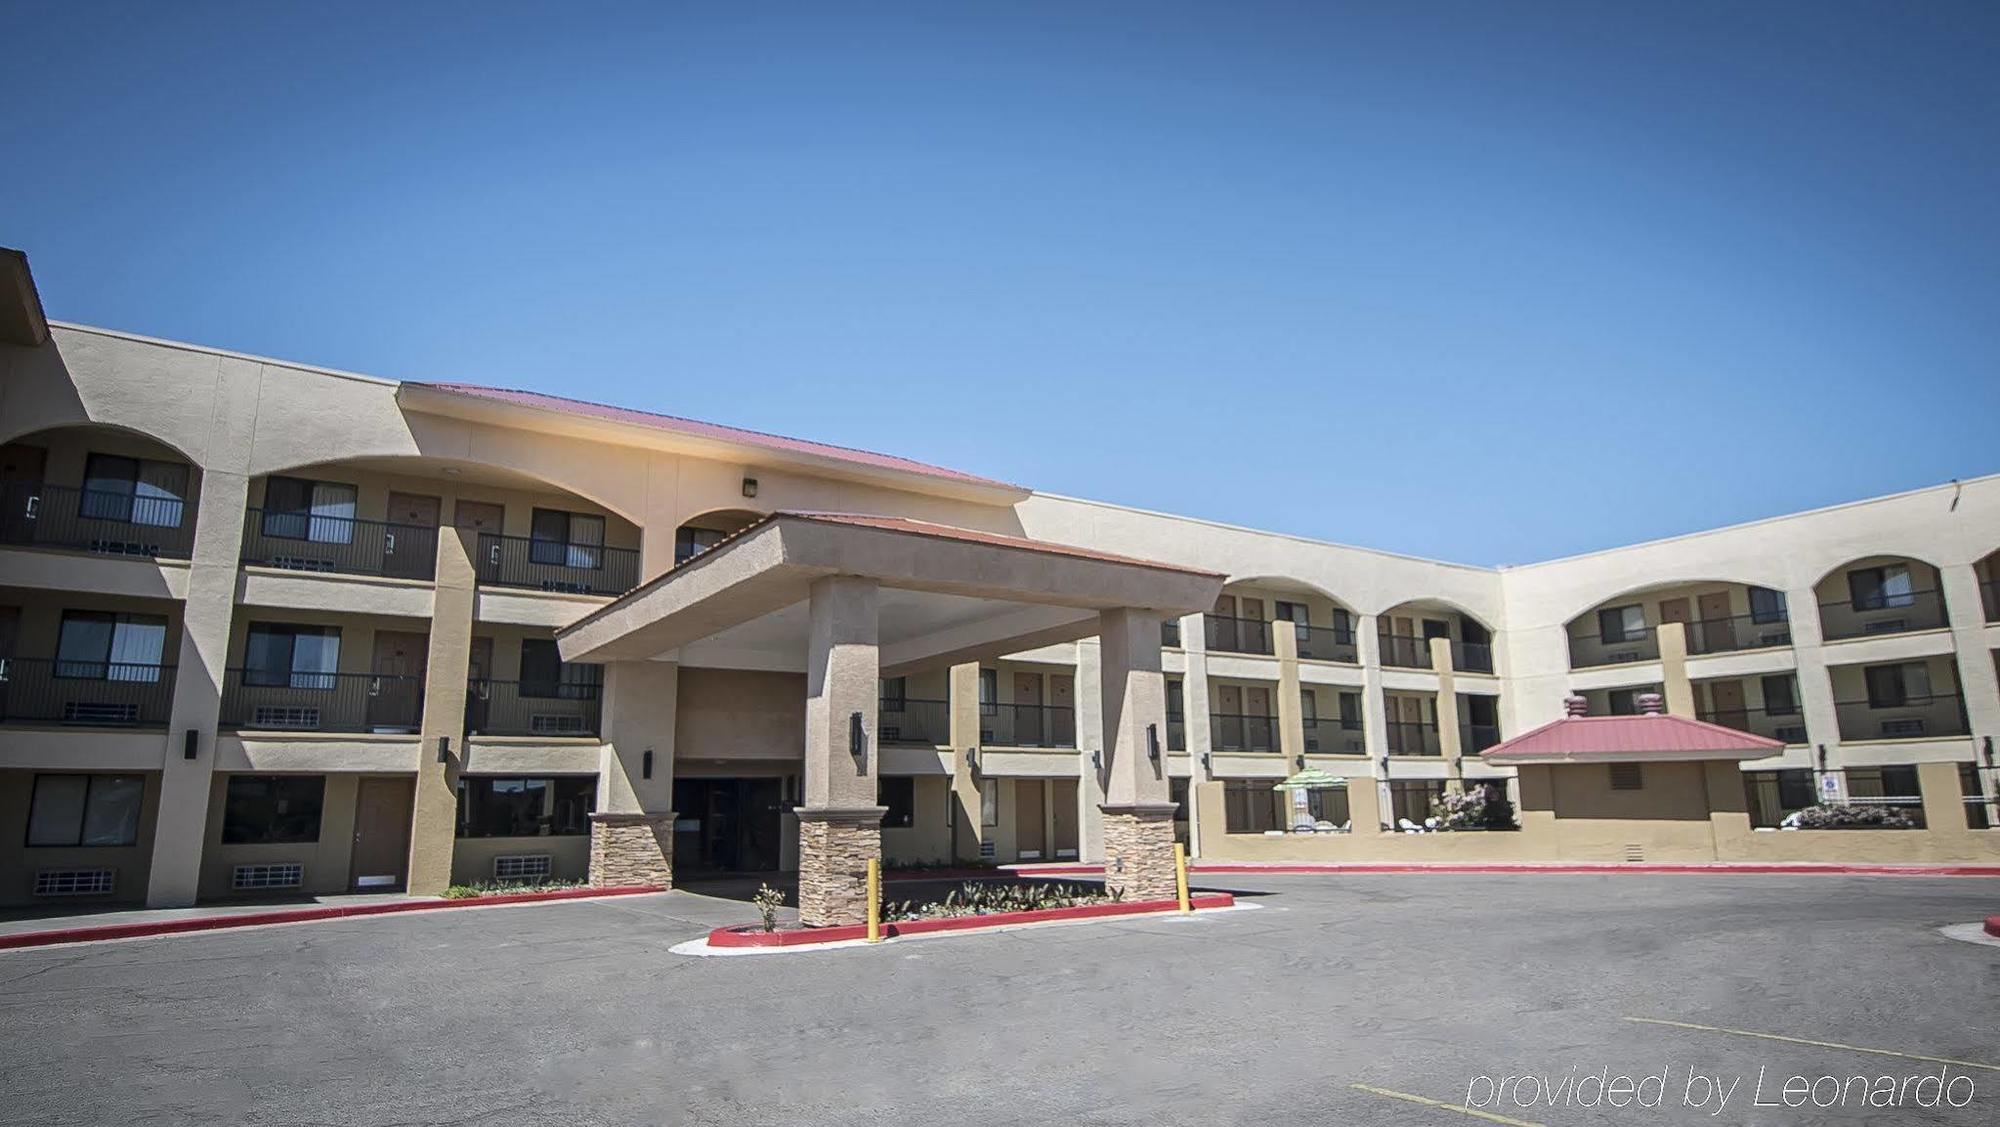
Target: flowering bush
(1845,816)
(977,899)
(1479,808)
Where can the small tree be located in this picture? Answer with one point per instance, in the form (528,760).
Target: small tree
(768,901)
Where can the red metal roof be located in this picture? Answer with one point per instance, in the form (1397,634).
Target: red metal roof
(715,431)
(1612,739)
(998,539)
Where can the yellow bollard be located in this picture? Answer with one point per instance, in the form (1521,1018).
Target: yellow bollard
(1180,877)
(875,900)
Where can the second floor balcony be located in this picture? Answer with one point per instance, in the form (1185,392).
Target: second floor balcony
(1027,725)
(552,565)
(1413,738)
(1324,643)
(1237,733)
(907,720)
(105,522)
(1334,735)
(1739,632)
(532,708)
(302,541)
(85,694)
(300,701)
(1934,716)
(1880,595)
(1613,645)
(1786,724)
(1237,635)
(1475,738)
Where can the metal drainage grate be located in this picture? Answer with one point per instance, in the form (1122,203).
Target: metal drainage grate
(75,882)
(281,875)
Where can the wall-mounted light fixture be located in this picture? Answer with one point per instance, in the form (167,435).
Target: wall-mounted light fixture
(1989,751)
(646,764)
(444,749)
(749,487)
(1822,757)
(191,744)
(1207,763)
(1153,743)
(1302,761)
(972,759)
(857,740)
(1385,766)
(1097,760)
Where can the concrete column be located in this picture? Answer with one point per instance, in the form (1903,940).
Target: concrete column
(1815,684)
(632,830)
(1195,722)
(1374,714)
(1138,812)
(1679,691)
(434,813)
(1089,750)
(1978,679)
(1446,707)
(840,824)
(1291,710)
(968,830)
(1944,798)
(180,829)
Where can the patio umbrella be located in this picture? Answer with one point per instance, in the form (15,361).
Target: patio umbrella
(1312,778)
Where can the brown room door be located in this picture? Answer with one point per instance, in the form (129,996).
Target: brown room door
(478,672)
(1258,733)
(381,834)
(395,694)
(407,551)
(1725,702)
(1718,633)
(1062,709)
(1029,809)
(1028,709)
(480,517)
(1062,794)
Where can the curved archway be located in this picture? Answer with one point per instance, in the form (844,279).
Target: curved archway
(1321,622)
(702,531)
(1885,593)
(1716,616)
(101,488)
(1404,633)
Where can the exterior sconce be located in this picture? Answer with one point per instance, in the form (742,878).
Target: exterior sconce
(646,764)
(972,759)
(1097,760)
(1989,751)
(749,487)
(1822,756)
(191,745)
(1153,743)
(1302,761)
(444,749)
(1385,765)
(1207,763)
(857,741)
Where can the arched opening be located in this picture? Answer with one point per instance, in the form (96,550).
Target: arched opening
(1243,614)
(99,489)
(1718,616)
(1886,594)
(698,534)
(1405,632)
(1988,572)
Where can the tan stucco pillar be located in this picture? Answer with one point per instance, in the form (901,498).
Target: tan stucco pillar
(1535,786)
(1728,807)
(1291,709)
(968,830)
(434,813)
(180,829)
(840,824)
(1450,746)
(1944,798)
(1089,750)
(1364,808)
(1678,690)
(632,829)
(1138,811)
(1978,670)
(1195,723)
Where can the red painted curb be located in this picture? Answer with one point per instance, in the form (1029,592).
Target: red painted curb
(1722,869)
(1993,926)
(298,915)
(754,936)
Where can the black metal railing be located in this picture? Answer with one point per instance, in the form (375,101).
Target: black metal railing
(1410,738)
(1229,732)
(1882,614)
(1475,738)
(1403,651)
(1176,732)
(1472,657)
(1913,718)
(96,694)
(340,545)
(116,524)
(546,565)
(1785,724)
(1593,649)
(1326,643)
(1027,725)
(278,700)
(1738,632)
(1170,633)
(532,708)
(912,721)
(1330,735)
(1237,635)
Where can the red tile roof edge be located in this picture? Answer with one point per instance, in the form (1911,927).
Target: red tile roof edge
(718,431)
(1629,735)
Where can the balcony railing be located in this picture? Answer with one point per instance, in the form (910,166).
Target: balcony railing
(1170,633)
(926,723)
(1472,657)
(1914,718)
(1242,733)
(1787,725)
(340,545)
(516,708)
(278,700)
(1237,635)
(93,694)
(1989,594)
(1176,732)
(1325,643)
(1410,738)
(1475,738)
(1587,650)
(1026,725)
(1334,736)
(546,565)
(117,524)
(1882,614)
(1403,651)
(1740,632)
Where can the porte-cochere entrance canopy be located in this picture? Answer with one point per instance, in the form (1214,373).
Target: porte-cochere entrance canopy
(849,599)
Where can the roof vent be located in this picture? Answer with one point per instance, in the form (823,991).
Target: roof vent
(1576,704)
(1650,704)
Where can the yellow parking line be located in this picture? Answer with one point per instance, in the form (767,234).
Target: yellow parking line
(1442,1106)
(1815,1044)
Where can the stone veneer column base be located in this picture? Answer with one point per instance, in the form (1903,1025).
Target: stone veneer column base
(628,850)
(835,845)
(1139,850)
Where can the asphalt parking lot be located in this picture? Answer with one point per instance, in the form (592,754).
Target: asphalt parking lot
(1338,999)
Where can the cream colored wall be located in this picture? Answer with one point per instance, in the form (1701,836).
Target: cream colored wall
(928,837)
(739,715)
(372,489)
(40,622)
(472,857)
(326,859)
(67,452)
(19,863)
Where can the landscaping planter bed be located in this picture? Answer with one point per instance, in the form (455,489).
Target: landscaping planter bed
(753,935)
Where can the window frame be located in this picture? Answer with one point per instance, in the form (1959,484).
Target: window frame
(273,783)
(572,552)
(293,677)
(91,782)
(899,794)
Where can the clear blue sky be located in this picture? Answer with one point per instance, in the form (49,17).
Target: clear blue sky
(1484,281)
